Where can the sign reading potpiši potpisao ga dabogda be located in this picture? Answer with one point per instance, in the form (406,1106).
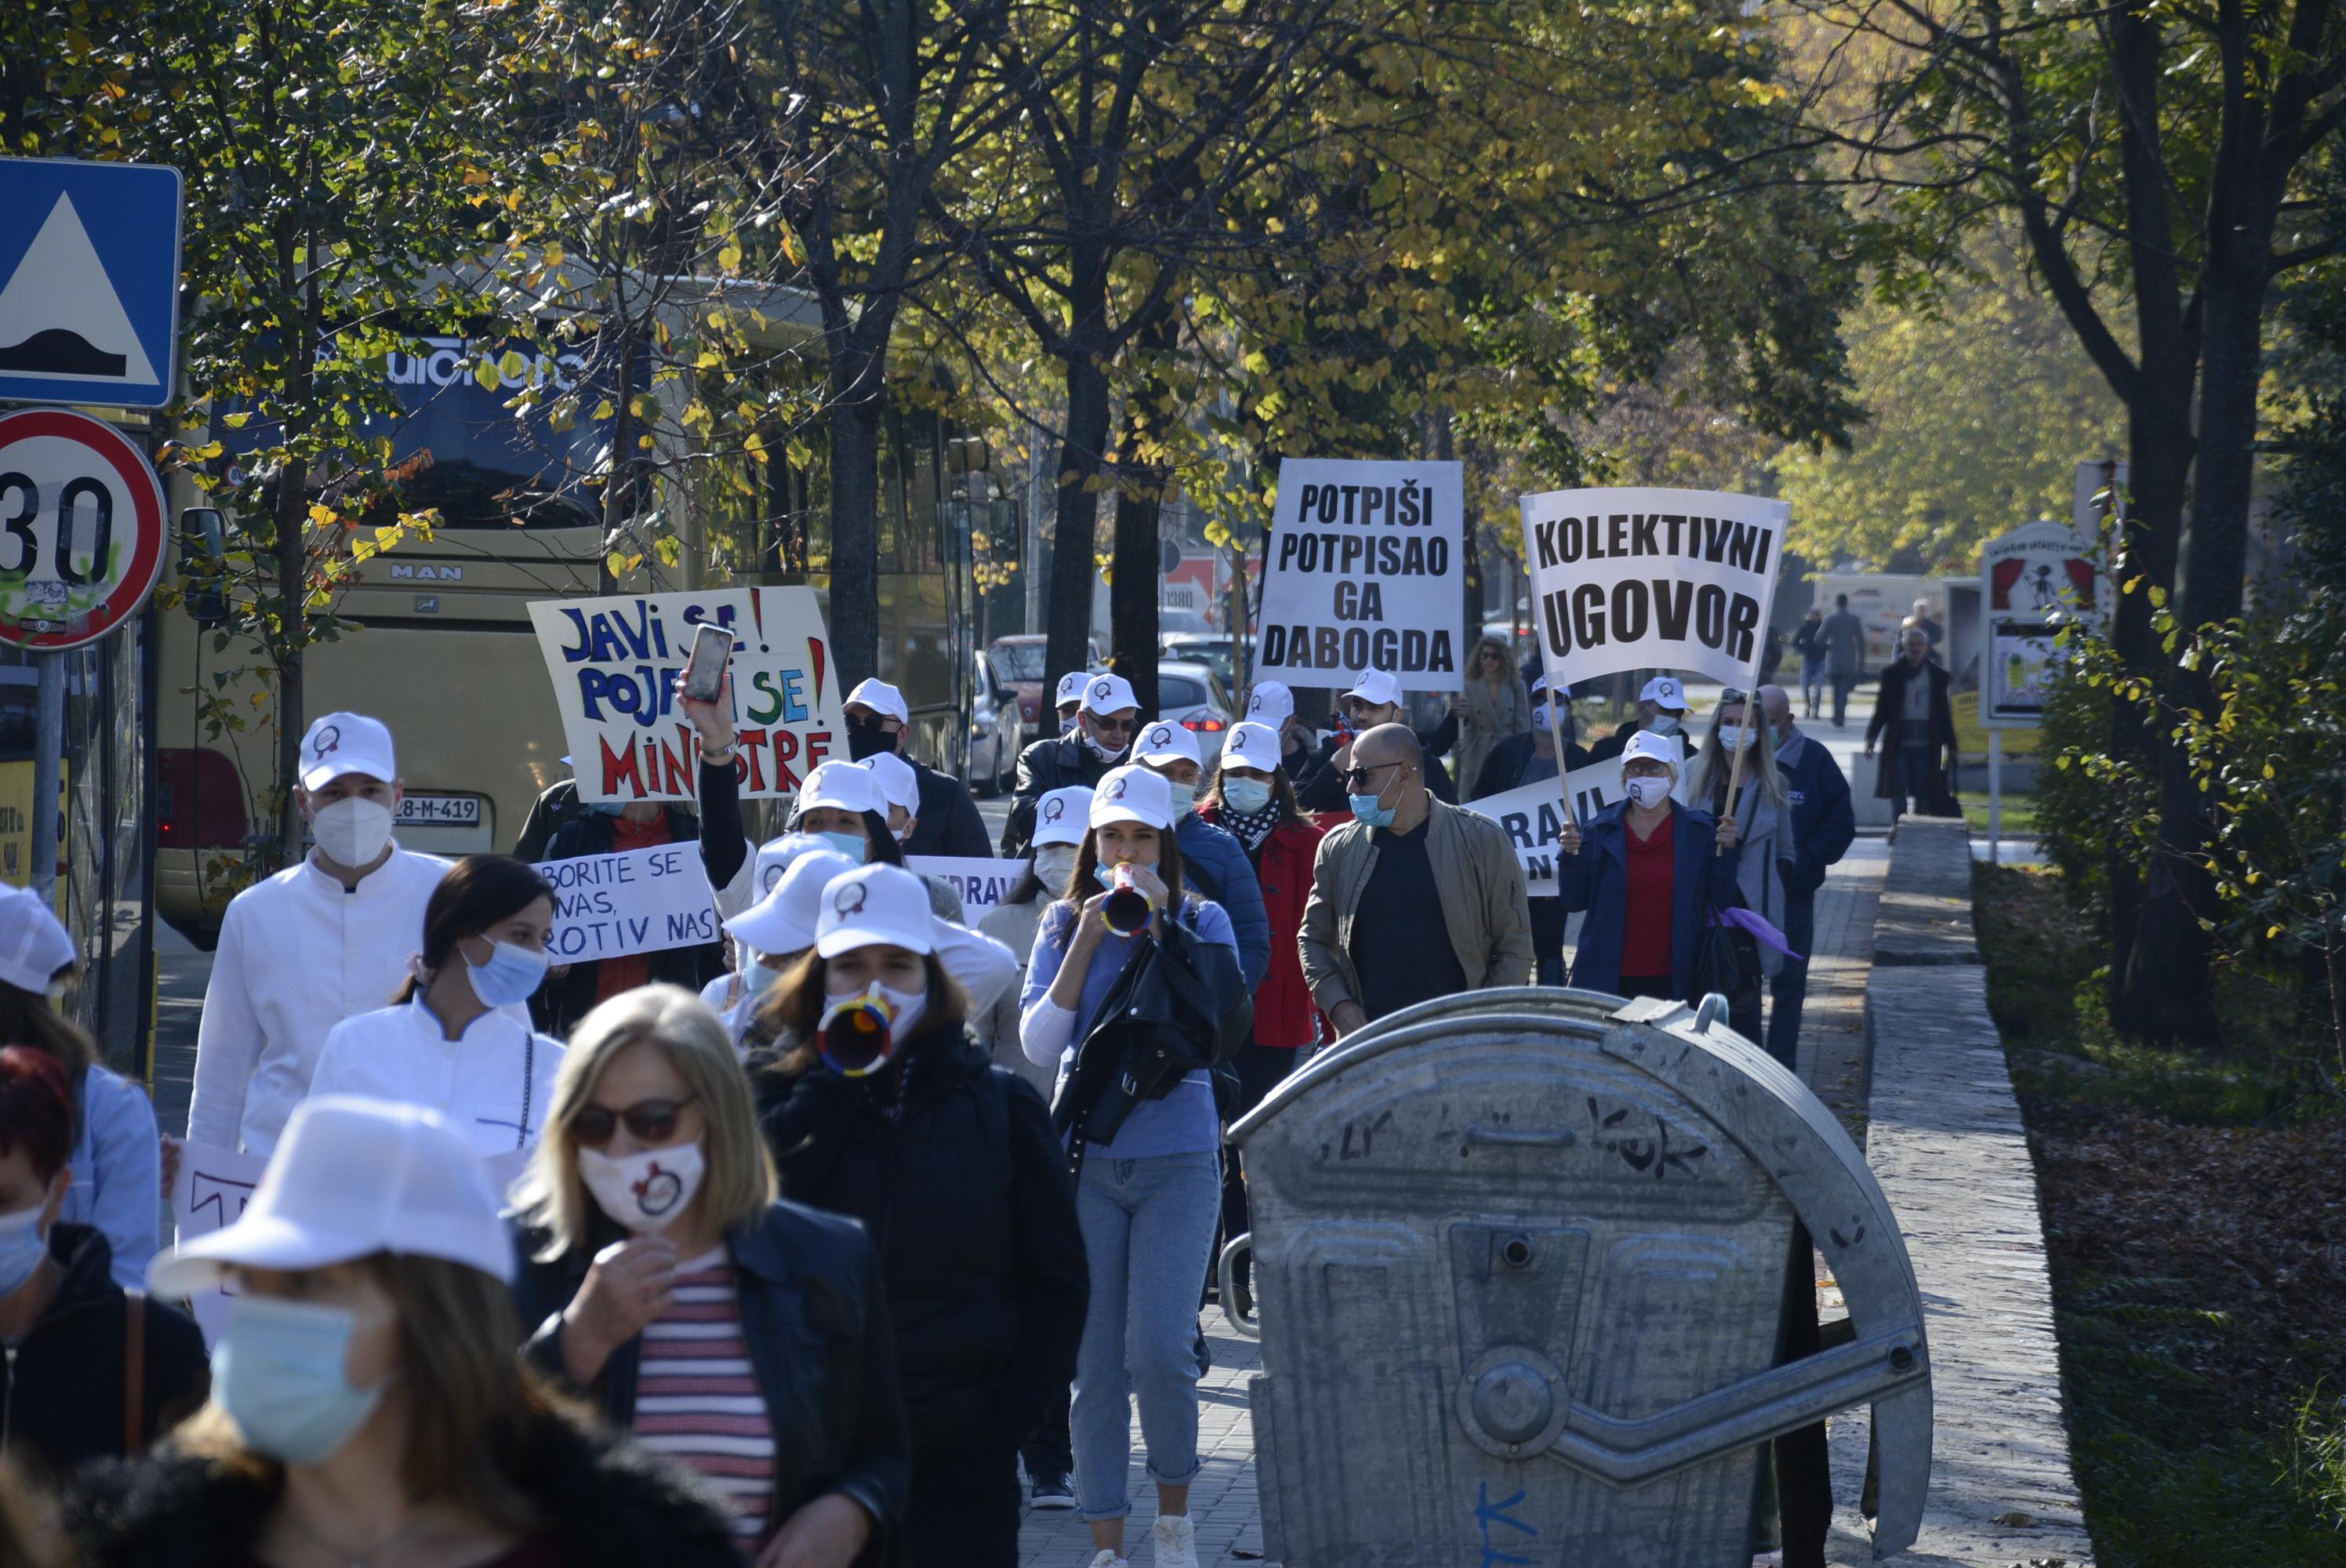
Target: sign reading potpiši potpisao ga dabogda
(1652,579)
(1362,572)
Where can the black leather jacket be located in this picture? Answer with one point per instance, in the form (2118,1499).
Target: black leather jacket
(1045,766)
(815,1316)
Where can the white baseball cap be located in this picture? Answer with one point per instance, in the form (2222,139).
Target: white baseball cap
(344,743)
(874,904)
(1108,694)
(1130,794)
(1071,689)
(899,785)
(1659,747)
(1166,741)
(1061,814)
(33,945)
(1251,744)
(842,786)
(784,920)
(1376,687)
(352,1177)
(881,699)
(776,856)
(1665,691)
(1270,703)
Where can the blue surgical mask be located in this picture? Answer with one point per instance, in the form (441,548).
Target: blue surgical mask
(22,1248)
(756,976)
(1104,874)
(1365,810)
(1245,795)
(277,1371)
(512,975)
(608,808)
(848,844)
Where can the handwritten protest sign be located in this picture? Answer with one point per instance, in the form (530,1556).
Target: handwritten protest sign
(1652,579)
(615,661)
(639,900)
(1533,817)
(1363,571)
(208,1194)
(982,883)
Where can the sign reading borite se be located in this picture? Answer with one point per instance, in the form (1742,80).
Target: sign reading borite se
(1363,572)
(614,663)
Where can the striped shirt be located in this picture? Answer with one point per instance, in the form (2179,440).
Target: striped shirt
(697,1398)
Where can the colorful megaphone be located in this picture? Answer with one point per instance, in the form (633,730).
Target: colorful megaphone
(1126,908)
(854,1037)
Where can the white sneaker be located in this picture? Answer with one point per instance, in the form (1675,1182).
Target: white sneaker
(1176,1541)
(1108,1559)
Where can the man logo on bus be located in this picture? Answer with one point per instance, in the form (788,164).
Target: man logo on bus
(849,901)
(329,739)
(1054,809)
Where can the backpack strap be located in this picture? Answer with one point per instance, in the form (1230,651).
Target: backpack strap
(134,1371)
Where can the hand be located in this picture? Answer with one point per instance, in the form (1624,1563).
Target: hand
(713,719)
(1345,1017)
(1568,838)
(1726,832)
(171,1147)
(1869,748)
(1150,885)
(629,1284)
(1458,706)
(828,1532)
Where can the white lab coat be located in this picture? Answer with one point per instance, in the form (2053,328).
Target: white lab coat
(495,1083)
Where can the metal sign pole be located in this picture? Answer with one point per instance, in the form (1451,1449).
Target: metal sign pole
(1994,792)
(48,749)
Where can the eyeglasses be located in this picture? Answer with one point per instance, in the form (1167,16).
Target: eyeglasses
(649,1122)
(1354,778)
(1114,726)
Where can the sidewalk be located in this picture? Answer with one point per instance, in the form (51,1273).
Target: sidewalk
(1223,1501)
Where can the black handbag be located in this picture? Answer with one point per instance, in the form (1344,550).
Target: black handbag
(1727,960)
(1179,1006)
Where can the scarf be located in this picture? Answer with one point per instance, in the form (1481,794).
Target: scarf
(1250,829)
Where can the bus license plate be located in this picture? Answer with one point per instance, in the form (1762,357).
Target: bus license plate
(439,811)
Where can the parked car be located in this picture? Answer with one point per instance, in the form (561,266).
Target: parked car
(1017,662)
(1193,696)
(1217,650)
(995,731)
(1173,619)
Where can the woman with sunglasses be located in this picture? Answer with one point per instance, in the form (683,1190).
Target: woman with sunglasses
(878,1104)
(740,1336)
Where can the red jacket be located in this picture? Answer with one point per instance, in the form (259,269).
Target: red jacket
(1283,1013)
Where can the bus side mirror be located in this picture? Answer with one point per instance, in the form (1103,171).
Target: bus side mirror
(203,537)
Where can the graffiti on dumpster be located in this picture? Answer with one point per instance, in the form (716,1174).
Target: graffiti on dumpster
(1487,1514)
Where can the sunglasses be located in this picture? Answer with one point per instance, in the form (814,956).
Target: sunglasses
(1358,778)
(1114,726)
(649,1122)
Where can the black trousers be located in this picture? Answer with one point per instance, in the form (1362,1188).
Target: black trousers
(1260,1069)
(963,1511)
(1803,1471)
(1050,1449)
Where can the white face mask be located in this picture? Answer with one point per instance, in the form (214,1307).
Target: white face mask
(1649,791)
(647,1190)
(353,832)
(1730,736)
(1054,865)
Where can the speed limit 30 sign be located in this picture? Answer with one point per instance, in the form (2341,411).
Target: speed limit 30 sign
(81,528)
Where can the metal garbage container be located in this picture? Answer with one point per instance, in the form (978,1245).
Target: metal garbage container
(1519,1258)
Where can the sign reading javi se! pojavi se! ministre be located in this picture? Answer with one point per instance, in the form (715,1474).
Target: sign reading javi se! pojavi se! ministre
(1362,572)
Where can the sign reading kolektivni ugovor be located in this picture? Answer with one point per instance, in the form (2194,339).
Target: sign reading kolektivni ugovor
(1362,572)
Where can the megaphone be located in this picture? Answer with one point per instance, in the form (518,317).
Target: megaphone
(855,1036)
(1126,908)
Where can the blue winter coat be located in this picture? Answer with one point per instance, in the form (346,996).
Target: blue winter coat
(1597,880)
(1824,822)
(1218,869)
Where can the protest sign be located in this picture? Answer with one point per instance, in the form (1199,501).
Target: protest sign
(613,662)
(1652,579)
(1363,571)
(982,882)
(208,1194)
(639,900)
(1533,817)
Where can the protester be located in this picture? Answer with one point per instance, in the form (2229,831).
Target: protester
(86,1379)
(1105,719)
(1069,697)
(556,804)
(741,1336)
(1412,899)
(1661,711)
(1912,708)
(1525,760)
(1492,707)
(1375,698)
(114,1156)
(1844,639)
(1215,864)
(320,942)
(367,1405)
(443,1043)
(1269,702)
(1809,641)
(950,1165)
(946,819)
(1646,869)
(1762,812)
(1149,1197)
(771,935)
(1253,799)
(613,828)
(725,993)
(1921,618)
(1823,824)
(900,796)
(1059,823)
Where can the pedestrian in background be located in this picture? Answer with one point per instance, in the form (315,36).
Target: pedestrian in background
(1491,707)
(1844,640)
(1376,698)
(1270,703)
(743,1337)
(1808,642)
(1107,718)
(945,818)
(1913,710)
(1059,823)
(1218,867)
(1533,758)
(1661,712)
(1067,699)
(1823,824)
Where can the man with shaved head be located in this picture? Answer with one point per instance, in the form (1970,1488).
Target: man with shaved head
(1412,899)
(1822,826)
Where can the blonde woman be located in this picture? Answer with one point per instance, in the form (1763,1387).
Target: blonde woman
(1490,707)
(1763,810)
(742,1336)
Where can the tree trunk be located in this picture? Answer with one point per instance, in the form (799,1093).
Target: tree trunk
(1072,565)
(1132,586)
(855,445)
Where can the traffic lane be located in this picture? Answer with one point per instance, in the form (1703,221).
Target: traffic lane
(181,973)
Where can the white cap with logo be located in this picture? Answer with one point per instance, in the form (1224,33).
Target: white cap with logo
(1108,694)
(1376,687)
(1654,748)
(784,920)
(872,905)
(1665,691)
(881,699)
(352,1177)
(344,743)
(899,785)
(1061,814)
(1130,794)
(776,856)
(1270,703)
(1251,744)
(1166,741)
(843,787)
(1071,689)
(33,945)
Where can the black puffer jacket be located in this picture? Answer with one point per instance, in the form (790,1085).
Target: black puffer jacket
(602,1501)
(1047,765)
(966,1193)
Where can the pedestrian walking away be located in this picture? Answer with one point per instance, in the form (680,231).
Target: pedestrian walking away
(1105,719)
(1844,639)
(946,821)
(1808,642)
(1913,710)
(659,1276)
(1823,825)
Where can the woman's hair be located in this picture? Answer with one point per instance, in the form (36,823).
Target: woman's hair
(1169,868)
(37,1109)
(1282,795)
(478,891)
(30,1018)
(795,1005)
(1474,660)
(740,1181)
(474,1410)
(1714,764)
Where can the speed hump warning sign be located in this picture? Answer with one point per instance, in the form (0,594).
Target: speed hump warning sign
(81,528)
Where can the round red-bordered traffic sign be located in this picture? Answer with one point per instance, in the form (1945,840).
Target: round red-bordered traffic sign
(52,462)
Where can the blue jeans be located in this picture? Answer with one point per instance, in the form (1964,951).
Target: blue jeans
(1812,683)
(1789,988)
(1146,1224)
